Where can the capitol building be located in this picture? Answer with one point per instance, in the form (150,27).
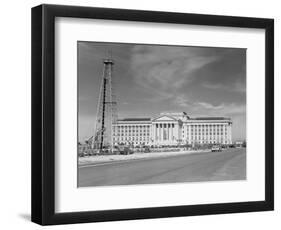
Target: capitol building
(170,129)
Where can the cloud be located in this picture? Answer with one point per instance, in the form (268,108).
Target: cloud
(210,106)
(209,109)
(201,108)
(167,69)
(237,86)
(223,109)
(181,101)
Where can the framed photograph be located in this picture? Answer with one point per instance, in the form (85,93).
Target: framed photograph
(142,114)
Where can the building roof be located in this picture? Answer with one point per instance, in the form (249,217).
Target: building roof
(211,118)
(147,119)
(135,119)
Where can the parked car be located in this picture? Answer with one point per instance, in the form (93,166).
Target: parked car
(125,150)
(115,151)
(216,148)
(146,149)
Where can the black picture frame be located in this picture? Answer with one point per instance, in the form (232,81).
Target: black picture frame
(43,114)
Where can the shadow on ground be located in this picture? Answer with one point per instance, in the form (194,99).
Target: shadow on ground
(25,216)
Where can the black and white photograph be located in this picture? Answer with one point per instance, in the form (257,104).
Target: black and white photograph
(141,114)
(152,114)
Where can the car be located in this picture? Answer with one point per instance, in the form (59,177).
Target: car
(216,148)
(115,151)
(146,149)
(125,150)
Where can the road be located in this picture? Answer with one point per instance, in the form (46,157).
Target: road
(211,166)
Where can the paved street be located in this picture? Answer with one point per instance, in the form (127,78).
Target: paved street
(211,166)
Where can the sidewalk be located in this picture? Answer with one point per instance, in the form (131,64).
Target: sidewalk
(109,158)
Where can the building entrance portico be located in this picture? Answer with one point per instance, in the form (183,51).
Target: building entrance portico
(165,130)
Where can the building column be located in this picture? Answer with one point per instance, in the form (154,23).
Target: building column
(159,133)
(167,134)
(166,130)
(171,129)
(162,131)
(170,132)
(156,133)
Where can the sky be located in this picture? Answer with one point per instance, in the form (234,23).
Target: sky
(150,79)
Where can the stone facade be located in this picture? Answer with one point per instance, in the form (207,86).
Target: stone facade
(170,129)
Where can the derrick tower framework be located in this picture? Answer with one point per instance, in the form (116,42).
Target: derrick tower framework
(106,110)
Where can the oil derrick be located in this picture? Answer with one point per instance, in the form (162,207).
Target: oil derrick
(106,111)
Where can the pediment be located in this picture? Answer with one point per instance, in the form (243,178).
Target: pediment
(164,118)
